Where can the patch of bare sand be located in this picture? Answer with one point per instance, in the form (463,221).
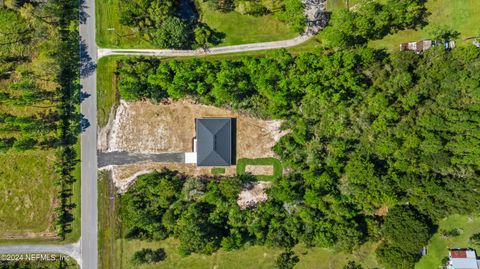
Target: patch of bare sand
(144,127)
(124,175)
(253,194)
(266,170)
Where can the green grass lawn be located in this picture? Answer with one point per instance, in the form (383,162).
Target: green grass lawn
(218,170)
(277,167)
(107,94)
(27,192)
(242,29)
(253,257)
(74,235)
(27,180)
(460,15)
(438,246)
(238,28)
(110,33)
(107,223)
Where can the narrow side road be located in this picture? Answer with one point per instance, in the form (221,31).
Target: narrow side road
(102,52)
(72,250)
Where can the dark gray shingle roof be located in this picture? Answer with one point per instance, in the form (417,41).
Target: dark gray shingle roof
(214,141)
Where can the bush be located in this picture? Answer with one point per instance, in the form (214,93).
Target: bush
(253,8)
(352,265)
(173,33)
(451,233)
(475,239)
(293,14)
(147,256)
(286,260)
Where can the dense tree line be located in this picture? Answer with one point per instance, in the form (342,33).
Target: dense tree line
(39,47)
(369,131)
(373,20)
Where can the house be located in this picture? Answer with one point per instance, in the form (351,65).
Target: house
(215,142)
(418,47)
(423,45)
(462,258)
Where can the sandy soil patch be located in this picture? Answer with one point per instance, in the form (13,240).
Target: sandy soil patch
(143,127)
(124,175)
(266,170)
(253,194)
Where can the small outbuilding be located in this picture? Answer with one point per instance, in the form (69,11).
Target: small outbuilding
(215,141)
(462,258)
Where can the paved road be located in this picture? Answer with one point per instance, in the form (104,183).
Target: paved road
(88,108)
(122,157)
(72,250)
(102,52)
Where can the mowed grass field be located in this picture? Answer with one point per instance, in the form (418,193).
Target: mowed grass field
(243,29)
(27,191)
(253,257)
(438,246)
(460,15)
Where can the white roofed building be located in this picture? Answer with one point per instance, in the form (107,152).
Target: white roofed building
(462,258)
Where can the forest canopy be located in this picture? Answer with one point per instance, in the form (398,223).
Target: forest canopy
(376,140)
(369,132)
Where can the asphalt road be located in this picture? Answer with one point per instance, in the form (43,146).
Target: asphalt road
(72,250)
(88,155)
(122,158)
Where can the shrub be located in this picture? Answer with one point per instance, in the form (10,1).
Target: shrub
(475,239)
(147,255)
(286,260)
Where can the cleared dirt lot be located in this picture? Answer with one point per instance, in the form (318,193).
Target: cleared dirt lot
(143,127)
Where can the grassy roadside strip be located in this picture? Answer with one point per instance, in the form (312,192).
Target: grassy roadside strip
(107,93)
(74,234)
(108,227)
